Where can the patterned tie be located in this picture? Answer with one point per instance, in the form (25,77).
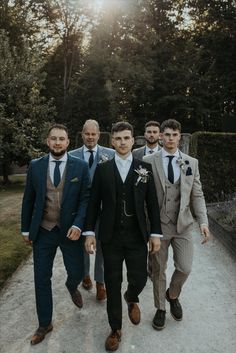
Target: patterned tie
(57,174)
(170,170)
(91,159)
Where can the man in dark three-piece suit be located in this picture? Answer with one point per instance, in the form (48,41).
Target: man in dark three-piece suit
(53,212)
(121,187)
(93,154)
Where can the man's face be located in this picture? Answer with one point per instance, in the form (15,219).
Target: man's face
(90,135)
(152,135)
(58,142)
(123,142)
(170,139)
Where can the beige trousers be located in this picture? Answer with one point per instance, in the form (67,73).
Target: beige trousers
(183,257)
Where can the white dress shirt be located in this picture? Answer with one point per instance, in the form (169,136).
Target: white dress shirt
(147,150)
(175,165)
(123,165)
(52,165)
(87,153)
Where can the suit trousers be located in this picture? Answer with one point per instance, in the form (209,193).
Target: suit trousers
(129,246)
(182,246)
(99,263)
(44,251)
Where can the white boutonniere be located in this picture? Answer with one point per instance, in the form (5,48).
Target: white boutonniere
(180,163)
(103,158)
(142,175)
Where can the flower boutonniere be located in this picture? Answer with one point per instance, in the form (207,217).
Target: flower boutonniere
(180,163)
(143,175)
(103,158)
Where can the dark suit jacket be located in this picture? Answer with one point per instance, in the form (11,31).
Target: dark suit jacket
(103,195)
(74,198)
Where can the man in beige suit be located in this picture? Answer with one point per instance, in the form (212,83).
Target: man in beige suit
(179,192)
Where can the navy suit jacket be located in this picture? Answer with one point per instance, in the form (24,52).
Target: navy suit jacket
(74,198)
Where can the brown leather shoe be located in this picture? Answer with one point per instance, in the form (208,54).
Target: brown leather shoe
(77,298)
(40,334)
(133,311)
(101,291)
(113,341)
(87,283)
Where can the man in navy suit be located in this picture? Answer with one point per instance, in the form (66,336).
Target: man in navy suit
(53,211)
(94,154)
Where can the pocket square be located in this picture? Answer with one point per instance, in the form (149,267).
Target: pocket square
(74,180)
(189,171)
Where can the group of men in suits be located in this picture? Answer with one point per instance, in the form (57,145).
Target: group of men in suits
(133,201)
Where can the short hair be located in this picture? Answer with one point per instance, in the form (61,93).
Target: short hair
(57,126)
(91,121)
(152,123)
(121,126)
(171,124)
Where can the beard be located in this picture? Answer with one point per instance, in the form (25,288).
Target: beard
(57,154)
(152,142)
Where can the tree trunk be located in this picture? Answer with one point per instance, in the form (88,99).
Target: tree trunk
(5,173)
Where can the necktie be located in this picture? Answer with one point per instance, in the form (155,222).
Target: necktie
(57,174)
(91,159)
(170,170)
(151,151)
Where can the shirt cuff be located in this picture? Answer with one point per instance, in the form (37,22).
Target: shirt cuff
(76,228)
(156,235)
(89,232)
(25,234)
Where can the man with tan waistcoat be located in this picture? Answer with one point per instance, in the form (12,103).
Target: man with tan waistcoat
(179,192)
(53,211)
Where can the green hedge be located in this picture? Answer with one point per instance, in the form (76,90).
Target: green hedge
(216,153)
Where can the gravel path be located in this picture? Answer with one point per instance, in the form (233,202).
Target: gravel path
(208,300)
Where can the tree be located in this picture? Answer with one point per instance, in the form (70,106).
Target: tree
(24,113)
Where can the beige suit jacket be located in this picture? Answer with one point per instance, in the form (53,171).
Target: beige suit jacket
(192,198)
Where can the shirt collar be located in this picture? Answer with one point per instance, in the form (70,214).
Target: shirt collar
(62,159)
(122,160)
(94,149)
(165,153)
(151,149)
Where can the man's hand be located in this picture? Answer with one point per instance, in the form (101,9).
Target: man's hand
(205,233)
(154,244)
(73,234)
(26,240)
(90,244)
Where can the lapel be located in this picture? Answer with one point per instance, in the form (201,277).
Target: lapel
(159,168)
(137,194)
(110,173)
(68,176)
(43,175)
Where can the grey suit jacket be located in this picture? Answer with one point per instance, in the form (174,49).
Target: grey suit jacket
(192,198)
(139,152)
(103,154)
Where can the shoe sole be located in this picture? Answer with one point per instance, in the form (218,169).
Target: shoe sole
(158,328)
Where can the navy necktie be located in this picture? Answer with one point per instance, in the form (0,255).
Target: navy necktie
(170,170)
(91,159)
(57,174)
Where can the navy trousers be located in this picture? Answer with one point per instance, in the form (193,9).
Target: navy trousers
(44,251)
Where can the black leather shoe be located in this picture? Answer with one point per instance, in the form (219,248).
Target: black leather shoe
(159,320)
(175,307)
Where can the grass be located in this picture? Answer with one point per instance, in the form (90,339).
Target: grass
(12,249)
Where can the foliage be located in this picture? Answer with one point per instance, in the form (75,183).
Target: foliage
(24,113)
(217,163)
